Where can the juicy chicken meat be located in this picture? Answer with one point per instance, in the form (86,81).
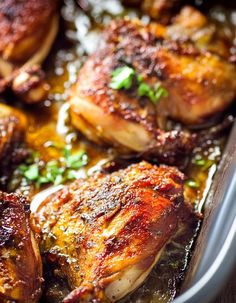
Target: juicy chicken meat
(200,84)
(12,129)
(103,235)
(27,31)
(20,261)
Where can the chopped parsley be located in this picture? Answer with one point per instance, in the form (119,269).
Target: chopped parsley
(55,171)
(193,183)
(31,172)
(123,78)
(205,164)
(200,162)
(154,94)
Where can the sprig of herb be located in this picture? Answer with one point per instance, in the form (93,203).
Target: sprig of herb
(123,78)
(54,171)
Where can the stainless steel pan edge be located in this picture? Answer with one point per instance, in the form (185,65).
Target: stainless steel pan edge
(214,254)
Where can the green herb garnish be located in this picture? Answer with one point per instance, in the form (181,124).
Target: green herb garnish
(160,91)
(122,78)
(208,164)
(144,90)
(192,183)
(77,161)
(153,94)
(204,164)
(200,162)
(55,171)
(30,172)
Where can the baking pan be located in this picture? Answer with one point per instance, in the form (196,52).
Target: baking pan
(214,251)
(215,248)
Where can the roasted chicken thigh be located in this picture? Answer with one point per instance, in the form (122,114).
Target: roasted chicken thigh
(200,84)
(103,235)
(120,117)
(12,129)
(20,261)
(27,31)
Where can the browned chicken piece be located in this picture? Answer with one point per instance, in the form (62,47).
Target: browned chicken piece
(20,261)
(121,118)
(200,85)
(103,235)
(160,10)
(191,25)
(12,129)
(27,31)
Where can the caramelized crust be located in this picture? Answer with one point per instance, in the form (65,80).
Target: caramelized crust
(121,118)
(104,234)
(20,261)
(27,32)
(23,25)
(12,128)
(191,25)
(200,84)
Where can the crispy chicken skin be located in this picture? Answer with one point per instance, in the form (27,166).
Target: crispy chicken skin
(27,31)
(121,118)
(104,234)
(12,129)
(20,261)
(23,26)
(200,84)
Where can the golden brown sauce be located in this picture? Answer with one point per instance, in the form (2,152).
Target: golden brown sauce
(49,122)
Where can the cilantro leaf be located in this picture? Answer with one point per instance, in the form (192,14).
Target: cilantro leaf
(192,183)
(200,162)
(67,151)
(144,89)
(122,77)
(153,94)
(160,92)
(32,172)
(54,171)
(76,161)
(71,175)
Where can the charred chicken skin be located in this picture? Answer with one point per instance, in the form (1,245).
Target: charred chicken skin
(27,31)
(200,84)
(105,234)
(20,261)
(12,129)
